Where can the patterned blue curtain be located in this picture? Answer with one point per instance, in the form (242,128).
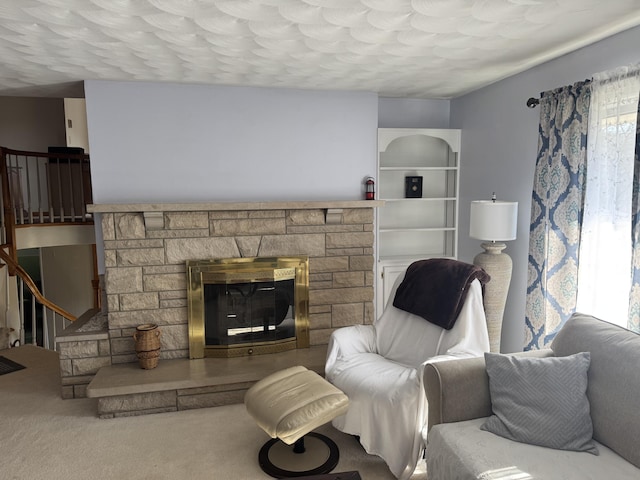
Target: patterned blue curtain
(556,212)
(634,300)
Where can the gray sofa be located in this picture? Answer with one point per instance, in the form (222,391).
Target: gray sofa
(459,399)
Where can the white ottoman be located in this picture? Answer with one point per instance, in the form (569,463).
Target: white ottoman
(288,405)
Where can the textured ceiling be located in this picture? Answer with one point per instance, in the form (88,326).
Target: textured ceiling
(406,48)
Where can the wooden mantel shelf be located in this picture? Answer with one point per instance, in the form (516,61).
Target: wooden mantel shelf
(227,206)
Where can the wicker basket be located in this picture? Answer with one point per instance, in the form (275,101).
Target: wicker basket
(148,360)
(147,339)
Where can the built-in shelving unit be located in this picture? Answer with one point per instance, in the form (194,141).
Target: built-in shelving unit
(425,226)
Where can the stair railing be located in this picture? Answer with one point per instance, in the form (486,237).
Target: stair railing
(46,187)
(42,189)
(50,312)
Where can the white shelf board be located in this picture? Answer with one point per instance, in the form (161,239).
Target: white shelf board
(424,199)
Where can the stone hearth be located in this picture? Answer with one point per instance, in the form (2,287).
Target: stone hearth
(146,247)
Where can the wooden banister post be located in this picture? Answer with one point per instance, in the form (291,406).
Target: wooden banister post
(9,215)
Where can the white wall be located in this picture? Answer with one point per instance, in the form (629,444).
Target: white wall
(159,142)
(499,145)
(75,116)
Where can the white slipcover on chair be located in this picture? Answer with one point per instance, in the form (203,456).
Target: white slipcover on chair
(379,367)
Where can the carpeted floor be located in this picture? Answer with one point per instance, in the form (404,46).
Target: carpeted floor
(43,437)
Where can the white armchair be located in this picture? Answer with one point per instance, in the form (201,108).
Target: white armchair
(380,366)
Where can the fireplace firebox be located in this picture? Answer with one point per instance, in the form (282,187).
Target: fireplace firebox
(247,306)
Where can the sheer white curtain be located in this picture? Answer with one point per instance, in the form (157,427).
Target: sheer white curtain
(604,277)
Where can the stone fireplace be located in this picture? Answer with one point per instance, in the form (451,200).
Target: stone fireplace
(147,247)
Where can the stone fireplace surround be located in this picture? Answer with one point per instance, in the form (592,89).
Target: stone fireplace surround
(146,247)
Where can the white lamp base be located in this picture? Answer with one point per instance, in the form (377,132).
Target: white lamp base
(499,266)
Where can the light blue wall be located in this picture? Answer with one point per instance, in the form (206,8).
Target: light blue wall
(158,142)
(413,113)
(499,146)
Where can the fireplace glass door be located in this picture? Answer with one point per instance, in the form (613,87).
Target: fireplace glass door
(249,312)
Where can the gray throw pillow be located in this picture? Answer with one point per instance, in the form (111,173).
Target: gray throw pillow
(541,401)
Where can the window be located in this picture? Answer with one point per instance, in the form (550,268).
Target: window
(605,258)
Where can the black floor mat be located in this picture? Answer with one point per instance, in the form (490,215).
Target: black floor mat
(8,366)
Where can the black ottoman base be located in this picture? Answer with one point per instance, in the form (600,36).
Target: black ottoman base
(313,454)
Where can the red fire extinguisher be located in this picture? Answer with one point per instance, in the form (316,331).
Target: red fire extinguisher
(370,189)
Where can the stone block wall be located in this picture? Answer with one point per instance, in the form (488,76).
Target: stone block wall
(145,265)
(83,349)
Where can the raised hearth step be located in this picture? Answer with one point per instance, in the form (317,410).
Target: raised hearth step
(183,384)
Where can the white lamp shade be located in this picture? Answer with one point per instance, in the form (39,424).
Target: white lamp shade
(493,220)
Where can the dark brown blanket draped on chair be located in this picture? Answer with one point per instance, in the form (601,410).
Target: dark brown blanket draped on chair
(436,288)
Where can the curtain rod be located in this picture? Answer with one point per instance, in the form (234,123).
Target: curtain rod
(534,102)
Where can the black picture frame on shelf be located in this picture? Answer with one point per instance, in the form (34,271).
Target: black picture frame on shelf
(413,187)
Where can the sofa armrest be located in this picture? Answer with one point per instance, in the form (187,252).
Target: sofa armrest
(458,390)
